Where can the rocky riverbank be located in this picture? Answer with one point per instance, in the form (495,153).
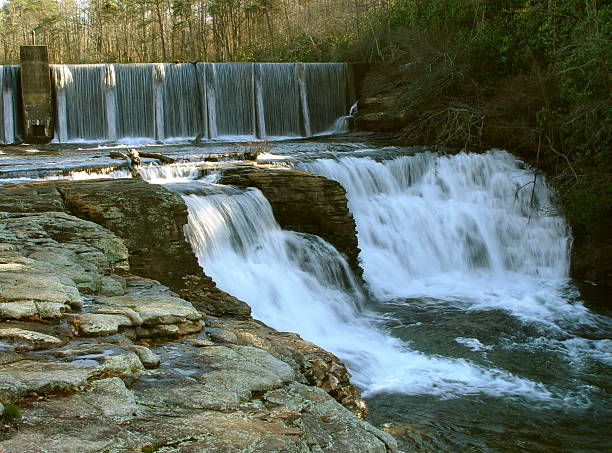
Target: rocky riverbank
(112,339)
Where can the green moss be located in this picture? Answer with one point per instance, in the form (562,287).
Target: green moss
(11,413)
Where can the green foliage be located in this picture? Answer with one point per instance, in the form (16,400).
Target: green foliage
(525,75)
(11,413)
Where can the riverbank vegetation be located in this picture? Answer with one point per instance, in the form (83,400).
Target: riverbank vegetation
(530,76)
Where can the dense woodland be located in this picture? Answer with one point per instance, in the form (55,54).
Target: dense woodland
(532,76)
(124,31)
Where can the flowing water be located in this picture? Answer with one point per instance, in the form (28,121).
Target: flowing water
(467,259)
(467,336)
(163,102)
(9,111)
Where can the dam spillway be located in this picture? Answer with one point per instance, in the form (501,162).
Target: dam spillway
(9,116)
(166,101)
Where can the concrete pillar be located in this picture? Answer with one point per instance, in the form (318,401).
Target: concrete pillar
(36,95)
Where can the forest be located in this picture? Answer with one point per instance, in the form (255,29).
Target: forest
(531,76)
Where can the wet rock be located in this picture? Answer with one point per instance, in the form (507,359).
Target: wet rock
(41,377)
(19,310)
(127,365)
(201,291)
(189,396)
(304,202)
(96,324)
(242,370)
(112,286)
(221,335)
(330,425)
(35,295)
(156,309)
(146,356)
(201,342)
(34,197)
(29,339)
(48,259)
(318,366)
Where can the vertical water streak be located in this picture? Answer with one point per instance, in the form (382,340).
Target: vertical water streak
(326,88)
(110,86)
(259,103)
(3,100)
(159,76)
(62,77)
(201,89)
(165,101)
(304,99)
(211,99)
(281,99)
(9,111)
(233,99)
(135,100)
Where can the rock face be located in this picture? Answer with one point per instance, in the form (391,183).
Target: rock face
(305,203)
(100,359)
(48,260)
(592,261)
(318,366)
(381,114)
(216,398)
(148,217)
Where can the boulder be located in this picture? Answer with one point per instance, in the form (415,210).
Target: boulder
(148,217)
(155,309)
(318,366)
(48,259)
(29,339)
(45,377)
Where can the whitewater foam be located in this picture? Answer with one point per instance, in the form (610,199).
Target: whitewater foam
(301,283)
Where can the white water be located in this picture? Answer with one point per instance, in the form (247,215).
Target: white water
(218,101)
(8,104)
(467,229)
(300,283)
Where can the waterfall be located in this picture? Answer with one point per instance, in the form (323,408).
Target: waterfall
(233,86)
(9,110)
(324,82)
(184,102)
(300,283)
(468,228)
(227,101)
(80,101)
(281,100)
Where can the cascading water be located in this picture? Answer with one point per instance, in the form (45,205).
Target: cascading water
(468,228)
(166,102)
(467,258)
(9,117)
(469,338)
(300,283)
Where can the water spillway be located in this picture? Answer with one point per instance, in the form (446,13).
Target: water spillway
(162,102)
(9,104)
